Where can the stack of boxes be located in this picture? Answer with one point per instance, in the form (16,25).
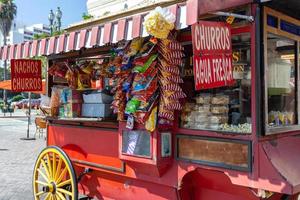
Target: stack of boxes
(96,104)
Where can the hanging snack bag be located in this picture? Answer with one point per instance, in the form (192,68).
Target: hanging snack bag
(151,121)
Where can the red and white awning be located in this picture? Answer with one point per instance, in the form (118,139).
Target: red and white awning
(126,28)
(111,32)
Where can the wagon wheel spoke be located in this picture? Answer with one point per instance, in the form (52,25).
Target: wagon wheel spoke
(60,196)
(58,169)
(62,184)
(63,173)
(48,197)
(40,193)
(43,175)
(49,166)
(54,165)
(45,167)
(41,183)
(64,191)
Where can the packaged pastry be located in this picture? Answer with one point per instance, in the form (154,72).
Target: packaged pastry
(188,107)
(187,117)
(218,119)
(213,126)
(201,125)
(203,99)
(201,118)
(220,100)
(219,109)
(203,109)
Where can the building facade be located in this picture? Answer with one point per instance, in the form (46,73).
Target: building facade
(110,10)
(20,33)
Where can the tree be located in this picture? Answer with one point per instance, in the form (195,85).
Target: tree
(86,16)
(8,11)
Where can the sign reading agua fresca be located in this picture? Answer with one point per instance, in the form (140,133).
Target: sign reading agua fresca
(26,75)
(212,51)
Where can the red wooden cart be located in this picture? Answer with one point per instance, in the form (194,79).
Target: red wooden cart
(255,156)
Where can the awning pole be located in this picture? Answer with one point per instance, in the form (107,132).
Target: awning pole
(227,14)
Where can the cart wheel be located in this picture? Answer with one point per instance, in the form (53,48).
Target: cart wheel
(54,177)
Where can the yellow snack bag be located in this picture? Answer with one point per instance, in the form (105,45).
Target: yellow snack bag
(151,122)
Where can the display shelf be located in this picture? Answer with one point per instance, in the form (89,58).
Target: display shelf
(85,122)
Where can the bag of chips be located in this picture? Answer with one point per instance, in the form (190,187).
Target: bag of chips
(151,121)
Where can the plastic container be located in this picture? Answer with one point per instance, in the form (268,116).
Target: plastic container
(97,98)
(96,110)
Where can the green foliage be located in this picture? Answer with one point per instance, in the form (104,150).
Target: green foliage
(8,11)
(45,35)
(17,98)
(86,16)
(44,65)
(40,36)
(56,33)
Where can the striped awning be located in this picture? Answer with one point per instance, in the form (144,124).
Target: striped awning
(123,29)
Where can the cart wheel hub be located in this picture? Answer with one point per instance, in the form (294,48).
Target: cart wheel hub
(50,188)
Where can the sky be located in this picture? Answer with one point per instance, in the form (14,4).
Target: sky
(36,11)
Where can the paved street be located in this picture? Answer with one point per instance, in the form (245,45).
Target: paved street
(17,158)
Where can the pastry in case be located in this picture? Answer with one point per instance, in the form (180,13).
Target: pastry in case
(220,100)
(219,109)
(201,118)
(203,109)
(188,107)
(203,99)
(218,119)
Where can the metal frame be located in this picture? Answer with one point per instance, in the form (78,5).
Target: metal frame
(277,31)
(105,167)
(215,164)
(259,73)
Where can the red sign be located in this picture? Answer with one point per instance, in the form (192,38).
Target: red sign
(26,75)
(212,51)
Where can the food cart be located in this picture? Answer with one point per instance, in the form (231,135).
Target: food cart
(210,110)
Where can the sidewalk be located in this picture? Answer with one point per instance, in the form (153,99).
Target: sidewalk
(17,158)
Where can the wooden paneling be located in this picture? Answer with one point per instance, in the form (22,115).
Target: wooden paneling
(216,152)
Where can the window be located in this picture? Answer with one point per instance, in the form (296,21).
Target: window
(166,144)
(136,143)
(281,77)
(281,92)
(225,109)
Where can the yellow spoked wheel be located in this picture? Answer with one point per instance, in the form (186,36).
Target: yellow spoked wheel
(54,177)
